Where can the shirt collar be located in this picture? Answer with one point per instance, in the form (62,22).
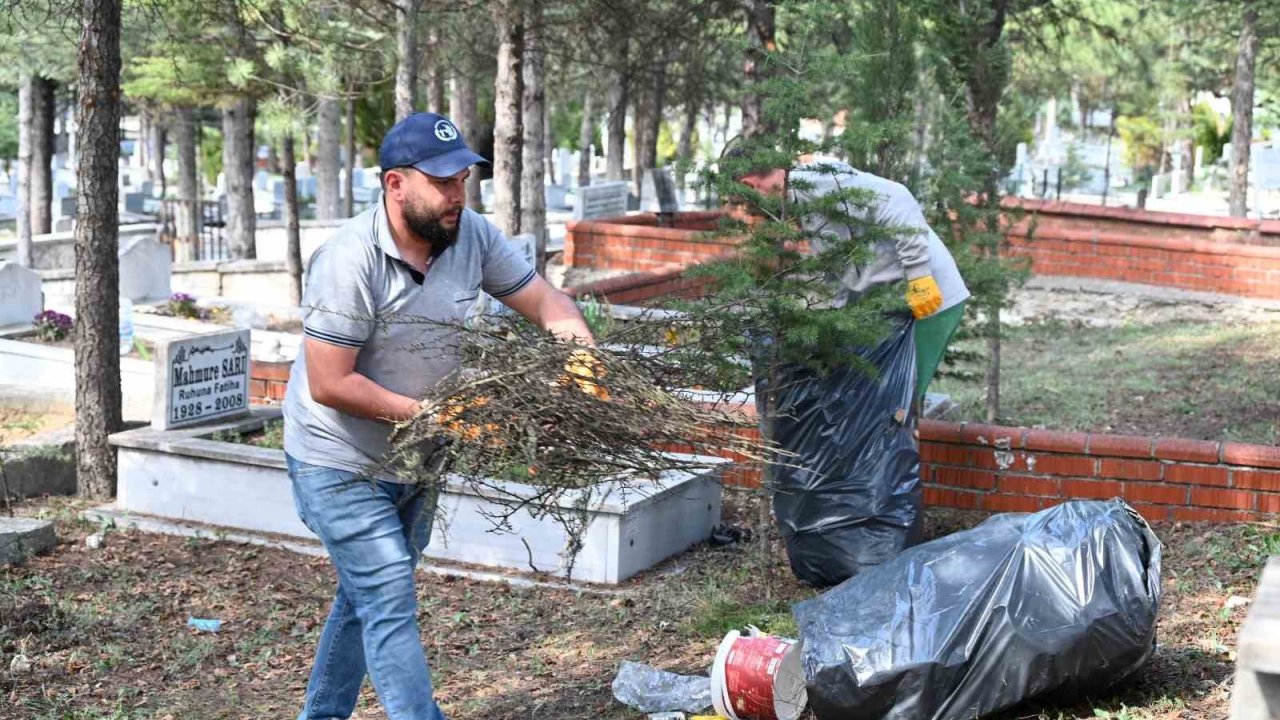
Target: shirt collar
(382,232)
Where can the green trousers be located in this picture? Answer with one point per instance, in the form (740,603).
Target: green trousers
(932,335)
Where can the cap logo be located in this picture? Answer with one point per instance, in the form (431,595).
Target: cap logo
(445,131)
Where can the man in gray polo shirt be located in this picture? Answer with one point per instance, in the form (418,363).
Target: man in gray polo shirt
(417,254)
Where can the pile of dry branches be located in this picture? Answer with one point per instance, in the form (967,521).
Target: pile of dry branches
(524,422)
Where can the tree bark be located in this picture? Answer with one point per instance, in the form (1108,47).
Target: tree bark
(349,181)
(548,138)
(43,95)
(462,110)
(237,167)
(328,159)
(586,134)
(293,245)
(761,31)
(97,339)
(406,57)
(615,160)
(436,75)
(157,138)
(641,117)
(508,129)
(23,220)
(649,119)
(187,220)
(533,198)
(1242,111)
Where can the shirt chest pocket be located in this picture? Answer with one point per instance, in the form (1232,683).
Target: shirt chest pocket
(468,305)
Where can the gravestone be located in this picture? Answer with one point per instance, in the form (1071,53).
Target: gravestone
(20,297)
(201,378)
(557,197)
(486,193)
(658,192)
(606,199)
(1266,168)
(145,269)
(66,207)
(134,202)
(527,245)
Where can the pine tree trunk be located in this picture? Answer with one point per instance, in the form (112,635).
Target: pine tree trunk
(293,246)
(641,116)
(406,57)
(651,110)
(436,75)
(761,30)
(462,110)
(349,181)
(1106,167)
(533,198)
(615,160)
(238,154)
(43,91)
(586,134)
(97,339)
(156,137)
(23,220)
(328,159)
(508,128)
(1242,111)
(548,138)
(187,221)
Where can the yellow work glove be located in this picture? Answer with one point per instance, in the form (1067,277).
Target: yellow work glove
(585,371)
(924,297)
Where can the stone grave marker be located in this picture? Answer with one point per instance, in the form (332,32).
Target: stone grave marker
(527,245)
(201,378)
(606,199)
(20,538)
(146,266)
(658,192)
(20,297)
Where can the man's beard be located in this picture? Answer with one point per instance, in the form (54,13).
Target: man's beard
(426,225)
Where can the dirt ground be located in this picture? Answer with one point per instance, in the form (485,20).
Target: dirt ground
(17,424)
(105,630)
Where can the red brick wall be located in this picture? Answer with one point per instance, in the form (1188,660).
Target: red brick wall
(635,242)
(267,381)
(1194,252)
(989,467)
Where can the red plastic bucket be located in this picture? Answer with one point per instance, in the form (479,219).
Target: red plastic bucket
(758,677)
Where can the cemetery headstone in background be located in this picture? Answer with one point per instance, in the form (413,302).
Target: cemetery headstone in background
(658,192)
(20,297)
(201,378)
(606,199)
(146,266)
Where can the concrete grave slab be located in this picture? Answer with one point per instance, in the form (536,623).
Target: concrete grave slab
(20,538)
(1256,695)
(145,269)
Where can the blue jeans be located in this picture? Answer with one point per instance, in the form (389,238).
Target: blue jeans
(374,532)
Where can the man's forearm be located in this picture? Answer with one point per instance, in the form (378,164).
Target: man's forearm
(355,394)
(560,316)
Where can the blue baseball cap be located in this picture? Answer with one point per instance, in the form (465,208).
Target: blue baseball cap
(427,142)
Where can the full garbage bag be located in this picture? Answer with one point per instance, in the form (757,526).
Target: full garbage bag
(847,495)
(1061,600)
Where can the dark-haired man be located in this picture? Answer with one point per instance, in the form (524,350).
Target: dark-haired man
(417,254)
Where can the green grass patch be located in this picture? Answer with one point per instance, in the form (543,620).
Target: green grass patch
(1194,380)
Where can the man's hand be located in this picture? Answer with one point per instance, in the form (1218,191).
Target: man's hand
(585,370)
(924,297)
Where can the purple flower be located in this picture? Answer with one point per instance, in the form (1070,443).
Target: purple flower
(181,298)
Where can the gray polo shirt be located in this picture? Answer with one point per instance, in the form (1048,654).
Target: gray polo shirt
(360,294)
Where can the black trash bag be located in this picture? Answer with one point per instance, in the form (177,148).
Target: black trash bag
(1061,600)
(849,497)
